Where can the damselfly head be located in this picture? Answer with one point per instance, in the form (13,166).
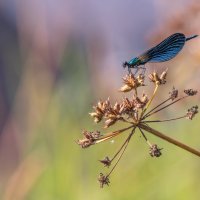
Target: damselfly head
(125,64)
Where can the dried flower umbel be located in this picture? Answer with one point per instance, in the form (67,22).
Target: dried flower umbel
(135,112)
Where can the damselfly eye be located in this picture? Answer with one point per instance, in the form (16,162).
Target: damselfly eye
(125,64)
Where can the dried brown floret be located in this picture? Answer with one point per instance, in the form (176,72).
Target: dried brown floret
(140,79)
(109,122)
(103,180)
(154,77)
(173,93)
(192,112)
(144,98)
(106,161)
(163,77)
(154,151)
(138,103)
(100,110)
(113,114)
(132,82)
(89,138)
(190,92)
(158,80)
(127,105)
(84,143)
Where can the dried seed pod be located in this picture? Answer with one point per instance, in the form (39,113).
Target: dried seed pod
(103,180)
(173,93)
(106,161)
(192,112)
(154,151)
(190,92)
(131,82)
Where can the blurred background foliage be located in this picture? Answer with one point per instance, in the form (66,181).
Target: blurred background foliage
(57,58)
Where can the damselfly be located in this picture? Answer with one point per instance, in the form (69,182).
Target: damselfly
(164,51)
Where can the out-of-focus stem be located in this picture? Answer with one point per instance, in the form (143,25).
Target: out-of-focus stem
(167,138)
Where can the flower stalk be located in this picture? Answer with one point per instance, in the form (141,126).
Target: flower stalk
(169,139)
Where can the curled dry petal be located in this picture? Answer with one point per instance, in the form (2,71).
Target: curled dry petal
(109,122)
(127,105)
(163,76)
(154,77)
(118,108)
(125,88)
(144,98)
(138,104)
(97,116)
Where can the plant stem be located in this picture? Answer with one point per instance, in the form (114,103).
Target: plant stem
(166,120)
(156,107)
(125,146)
(164,107)
(112,134)
(167,138)
(122,146)
(149,102)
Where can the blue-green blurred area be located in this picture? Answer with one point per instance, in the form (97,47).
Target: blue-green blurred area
(57,59)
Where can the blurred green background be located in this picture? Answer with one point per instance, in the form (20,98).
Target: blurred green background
(57,58)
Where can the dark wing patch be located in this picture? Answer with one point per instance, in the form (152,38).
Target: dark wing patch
(167,49)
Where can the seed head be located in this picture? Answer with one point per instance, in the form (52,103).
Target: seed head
(158,80)
(132,82)
(103,180)
(154,151)
(106,161)
(173,93)
(100,110)
(89,138)
(144,98)
(192,112)
(190,92)
(113,114)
